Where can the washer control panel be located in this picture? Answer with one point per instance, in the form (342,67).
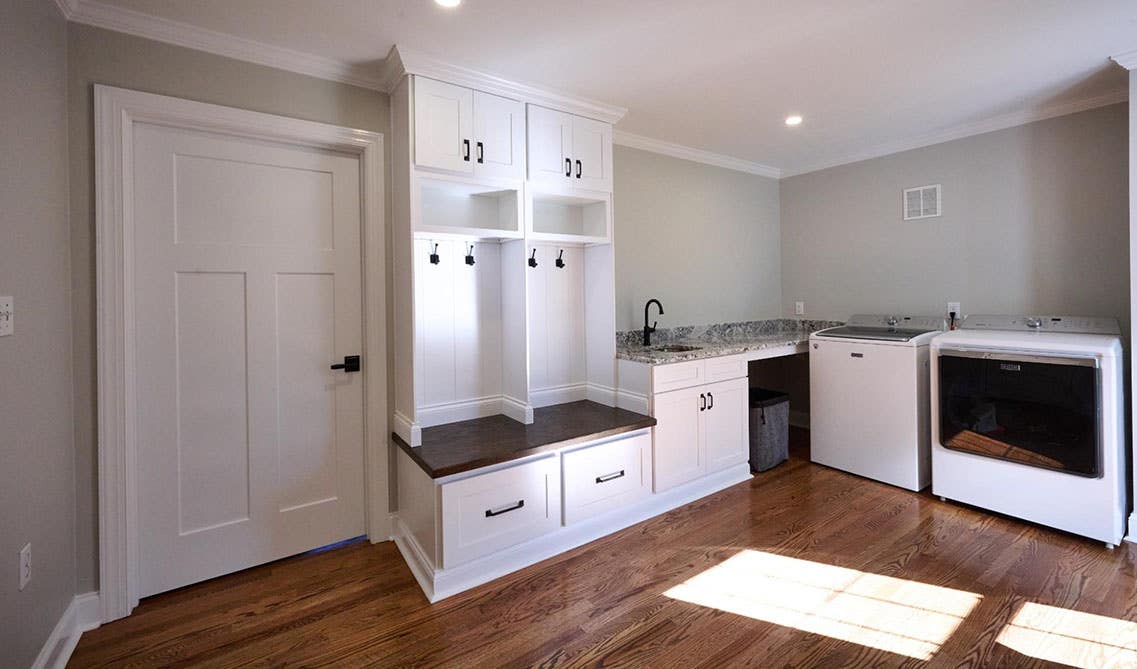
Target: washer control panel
(899,322)
(1062,324)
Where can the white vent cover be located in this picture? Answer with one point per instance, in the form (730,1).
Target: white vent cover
(921,202)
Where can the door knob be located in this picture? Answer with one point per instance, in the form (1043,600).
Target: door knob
(350,364)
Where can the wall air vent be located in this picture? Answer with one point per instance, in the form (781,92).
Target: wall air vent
(922,202)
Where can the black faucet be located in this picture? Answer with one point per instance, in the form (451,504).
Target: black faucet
(648,329)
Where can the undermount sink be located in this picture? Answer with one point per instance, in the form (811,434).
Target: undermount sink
(675,348)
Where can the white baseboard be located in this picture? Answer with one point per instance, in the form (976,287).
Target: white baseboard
(452,412)
(543,397)
(82,614)
(517,410)
(601,394)
(626,399)
(438,584)
(1132,535)
(406,429)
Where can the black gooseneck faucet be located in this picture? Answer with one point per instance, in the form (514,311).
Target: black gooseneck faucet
(648,329)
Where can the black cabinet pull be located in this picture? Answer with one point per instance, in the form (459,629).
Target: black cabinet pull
(490,513)
(703,406)
(578,169)
(481,153)
(610,477)
(711,397)
(466,150)
(568,167)
(350,364)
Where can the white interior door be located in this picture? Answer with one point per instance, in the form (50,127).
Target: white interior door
(248,288)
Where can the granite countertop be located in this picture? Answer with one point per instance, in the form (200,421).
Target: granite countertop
(716,340)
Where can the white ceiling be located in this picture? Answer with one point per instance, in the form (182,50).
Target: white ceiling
(869,76)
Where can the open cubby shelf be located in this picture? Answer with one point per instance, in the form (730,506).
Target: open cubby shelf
(569,218)
(468,209)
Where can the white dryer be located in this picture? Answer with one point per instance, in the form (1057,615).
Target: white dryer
(1028,420)
(868,397)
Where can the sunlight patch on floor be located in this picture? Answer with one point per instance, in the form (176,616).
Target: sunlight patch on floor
(891,614)
(1071,637)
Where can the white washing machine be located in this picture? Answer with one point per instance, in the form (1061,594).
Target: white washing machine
(868,397)
(1028,420)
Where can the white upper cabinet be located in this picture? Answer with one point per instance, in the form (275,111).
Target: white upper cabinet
(466,131)
(591,154)
(569,151)
(499,136)
(444,124)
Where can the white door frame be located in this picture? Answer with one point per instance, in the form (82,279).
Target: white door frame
(117,110)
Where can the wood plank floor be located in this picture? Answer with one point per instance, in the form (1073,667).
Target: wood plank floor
(604,604)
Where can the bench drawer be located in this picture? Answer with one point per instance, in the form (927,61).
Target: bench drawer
(603,478)
(486,513)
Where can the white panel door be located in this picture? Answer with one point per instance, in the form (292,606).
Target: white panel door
(727,430)
(550,146)
(247,267)
(591,154)
(444,126)
(499,136)
(678,454)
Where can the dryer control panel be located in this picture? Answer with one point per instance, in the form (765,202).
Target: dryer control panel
(1063,324)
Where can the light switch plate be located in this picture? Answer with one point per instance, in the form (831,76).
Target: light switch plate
(7,317)
(799,308)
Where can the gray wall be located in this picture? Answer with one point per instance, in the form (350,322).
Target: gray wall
(702,239)
(105,57)
(1035,220)
(37,477)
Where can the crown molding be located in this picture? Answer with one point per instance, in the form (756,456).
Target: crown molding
(1128,59)
(696,155)
(120,19)
(402,61)
(967,130)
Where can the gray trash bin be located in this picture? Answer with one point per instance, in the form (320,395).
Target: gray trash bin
(769,428)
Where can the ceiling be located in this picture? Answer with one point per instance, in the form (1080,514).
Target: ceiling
(868,76)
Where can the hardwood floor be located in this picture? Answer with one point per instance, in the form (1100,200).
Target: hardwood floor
(822,541)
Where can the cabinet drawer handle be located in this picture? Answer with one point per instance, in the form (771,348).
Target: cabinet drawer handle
(578,169)
(490,513)
(703,406)
(466,150)
(568,167)
(481,153)
(610,477)
(711,397)
(857,355)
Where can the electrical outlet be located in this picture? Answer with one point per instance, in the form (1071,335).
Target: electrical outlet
(25,565)
(799,308)
(7,317)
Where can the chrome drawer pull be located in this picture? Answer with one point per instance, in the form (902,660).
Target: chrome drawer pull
(490,513)
(609,477)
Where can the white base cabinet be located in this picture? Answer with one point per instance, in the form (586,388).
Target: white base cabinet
(701,429)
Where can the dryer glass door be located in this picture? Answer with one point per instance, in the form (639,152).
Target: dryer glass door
(1040,411)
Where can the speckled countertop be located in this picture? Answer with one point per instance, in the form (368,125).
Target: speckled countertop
(716,340)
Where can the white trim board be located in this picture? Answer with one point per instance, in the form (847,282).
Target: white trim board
(117,111)
(81,615)
(1128,59)
(695,155)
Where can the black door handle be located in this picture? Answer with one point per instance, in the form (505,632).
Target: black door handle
(466,150)
(703,397)
(578,169)
(350,364)
(711,397)
(568,167)
(490,513)
(481,153)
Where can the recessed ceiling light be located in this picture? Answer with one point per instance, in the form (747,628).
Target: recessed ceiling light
(793,120)
(449,4)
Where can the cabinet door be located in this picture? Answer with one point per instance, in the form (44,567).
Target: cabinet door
(726,432)
(591,154)
(677,452)
(499,136)
(550,144)
(444,126)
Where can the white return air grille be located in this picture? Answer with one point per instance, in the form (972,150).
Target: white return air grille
(922,202)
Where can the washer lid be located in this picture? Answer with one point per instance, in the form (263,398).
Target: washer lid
(885,328)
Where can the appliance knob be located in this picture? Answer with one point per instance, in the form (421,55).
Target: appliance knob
(892,321)
(1033,323)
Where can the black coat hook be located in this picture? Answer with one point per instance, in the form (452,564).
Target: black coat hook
(561,259)
(434,255)
(470,254)
(533,258)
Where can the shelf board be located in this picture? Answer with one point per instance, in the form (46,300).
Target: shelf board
(444,231)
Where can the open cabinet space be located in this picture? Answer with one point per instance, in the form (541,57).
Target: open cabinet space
(453,206)
(569,218)
(571,323)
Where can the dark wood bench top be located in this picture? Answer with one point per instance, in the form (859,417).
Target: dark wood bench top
(471,444)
